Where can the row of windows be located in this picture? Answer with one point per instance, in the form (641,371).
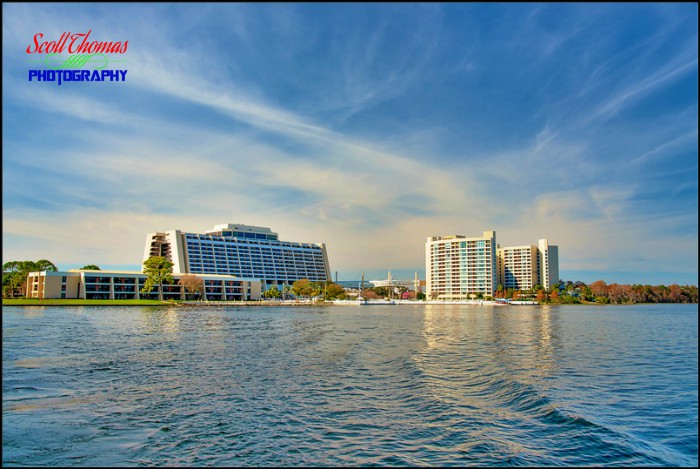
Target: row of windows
(255,253)
(268,275)
(210,240)
(255,265)
(246,234)
(258,264)
(125,282)
(223,263)
(254,257)
(290,257)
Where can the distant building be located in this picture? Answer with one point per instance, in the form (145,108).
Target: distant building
(124,285)
(241,250)
(523,267)
(457,267)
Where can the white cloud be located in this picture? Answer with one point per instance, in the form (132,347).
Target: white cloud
(268,163)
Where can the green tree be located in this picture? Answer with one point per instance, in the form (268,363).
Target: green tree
(317,288)
(383,292)
(272,292)
(157,270)
(14,275)
(302,288)
(333,291)
(90,267)
(43,264)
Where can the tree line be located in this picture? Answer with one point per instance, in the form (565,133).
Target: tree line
(323,290)
(603,293)
(158,270)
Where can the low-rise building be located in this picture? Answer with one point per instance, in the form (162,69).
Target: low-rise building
(127,285)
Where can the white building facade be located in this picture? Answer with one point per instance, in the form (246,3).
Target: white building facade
(523,267)
(457,267)
(518,267)
(243,251)
(126,285)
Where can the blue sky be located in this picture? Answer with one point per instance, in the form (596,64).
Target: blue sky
(365,126)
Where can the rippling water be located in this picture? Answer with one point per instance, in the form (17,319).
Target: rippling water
(349,385)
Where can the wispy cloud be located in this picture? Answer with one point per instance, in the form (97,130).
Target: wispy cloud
(368,128)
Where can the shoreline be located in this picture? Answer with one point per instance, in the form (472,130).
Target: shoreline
(275,303)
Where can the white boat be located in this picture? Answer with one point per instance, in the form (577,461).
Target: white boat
(365,302)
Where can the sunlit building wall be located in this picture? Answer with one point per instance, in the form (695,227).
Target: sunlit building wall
(518,267)
(523,267)
(457,267)
(243,251)
(125,285)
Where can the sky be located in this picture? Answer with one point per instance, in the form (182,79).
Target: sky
(368,127)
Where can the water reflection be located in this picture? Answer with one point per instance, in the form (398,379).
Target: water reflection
(161,321)
(547,330)
(50,403)
(33,312)
(471,351)
(434,385)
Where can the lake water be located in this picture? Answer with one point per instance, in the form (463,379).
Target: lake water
(350,385)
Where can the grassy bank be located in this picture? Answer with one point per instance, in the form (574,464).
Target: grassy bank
(80,302)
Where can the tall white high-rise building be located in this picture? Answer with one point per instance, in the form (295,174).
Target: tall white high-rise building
(243,251)
(457,267)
